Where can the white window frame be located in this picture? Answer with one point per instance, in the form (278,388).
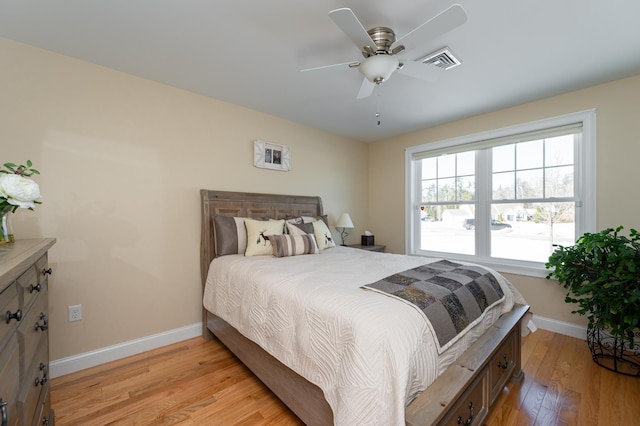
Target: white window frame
(585,177)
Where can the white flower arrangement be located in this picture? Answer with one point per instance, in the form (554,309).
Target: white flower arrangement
(17,190)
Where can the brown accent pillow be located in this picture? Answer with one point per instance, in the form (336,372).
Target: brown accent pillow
(300,228)
(230,235)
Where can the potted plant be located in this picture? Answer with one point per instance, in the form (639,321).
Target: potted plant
(601,273)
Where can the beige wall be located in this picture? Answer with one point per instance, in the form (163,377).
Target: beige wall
(123,159)
(617,107)
(122,162)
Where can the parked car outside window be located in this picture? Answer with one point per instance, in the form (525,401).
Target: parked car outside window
(427,218)
(495,224)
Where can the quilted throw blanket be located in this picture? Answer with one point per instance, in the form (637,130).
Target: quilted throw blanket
(452,297)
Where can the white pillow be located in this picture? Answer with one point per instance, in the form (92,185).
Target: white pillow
(324,239)
(258,232)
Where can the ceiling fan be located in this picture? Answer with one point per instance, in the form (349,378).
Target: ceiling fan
(381,49)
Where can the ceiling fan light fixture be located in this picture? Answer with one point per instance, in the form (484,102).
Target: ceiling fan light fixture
(378,68)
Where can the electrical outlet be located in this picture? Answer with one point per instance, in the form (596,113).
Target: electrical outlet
(75,313)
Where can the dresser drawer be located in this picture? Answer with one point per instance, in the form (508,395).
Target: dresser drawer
(44,413)
(42,267)
(501,366)
(34,381)
(9,379)
(28,286)
(9,303)
(472,407)
(33,330)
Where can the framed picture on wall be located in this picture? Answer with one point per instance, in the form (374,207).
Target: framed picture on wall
(271,156)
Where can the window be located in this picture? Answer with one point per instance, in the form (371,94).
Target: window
(504,197)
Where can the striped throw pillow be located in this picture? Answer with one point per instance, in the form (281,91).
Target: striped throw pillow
(293,245)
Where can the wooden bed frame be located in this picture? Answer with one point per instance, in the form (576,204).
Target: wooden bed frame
(463,394)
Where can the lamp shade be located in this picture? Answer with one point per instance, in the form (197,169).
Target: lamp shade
(378,68)
(344,221)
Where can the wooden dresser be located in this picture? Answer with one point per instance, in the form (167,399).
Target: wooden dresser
(24,335)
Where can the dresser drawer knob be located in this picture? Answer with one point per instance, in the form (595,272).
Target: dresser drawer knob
(47,271)
(37,288)
(9,316)
(44,324)
(43,380)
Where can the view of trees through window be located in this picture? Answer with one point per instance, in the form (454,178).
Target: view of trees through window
(526,191)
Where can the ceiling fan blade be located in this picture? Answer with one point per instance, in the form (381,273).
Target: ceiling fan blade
(445,21)
(351,26)
(366,89)
(426,72)
(332,67)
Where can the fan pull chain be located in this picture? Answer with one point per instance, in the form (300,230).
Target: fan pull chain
(377,89)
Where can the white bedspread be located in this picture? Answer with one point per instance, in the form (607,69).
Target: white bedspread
(370,354)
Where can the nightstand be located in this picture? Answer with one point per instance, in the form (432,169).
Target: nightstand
(370,248)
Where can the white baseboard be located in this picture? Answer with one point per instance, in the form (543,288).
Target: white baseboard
(74,363)
(560,327)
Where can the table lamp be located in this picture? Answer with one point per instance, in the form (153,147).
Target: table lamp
(344,223)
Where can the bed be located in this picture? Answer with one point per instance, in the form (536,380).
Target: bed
(322,387)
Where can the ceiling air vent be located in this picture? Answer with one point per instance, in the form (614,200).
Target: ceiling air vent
(442,58)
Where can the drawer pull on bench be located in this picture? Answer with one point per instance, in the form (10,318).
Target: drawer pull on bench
(47,271)
(36,287)
(3,408)
(506,362)
(470,419)
(9,316)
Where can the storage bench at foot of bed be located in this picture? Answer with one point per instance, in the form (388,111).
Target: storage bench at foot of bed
(463,394)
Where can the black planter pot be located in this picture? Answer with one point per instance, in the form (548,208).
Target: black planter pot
(613,353)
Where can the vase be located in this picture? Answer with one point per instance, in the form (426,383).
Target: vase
(6,234)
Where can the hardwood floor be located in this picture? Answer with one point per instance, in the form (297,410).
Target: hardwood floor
(563,386)
(191,382)
(198,382)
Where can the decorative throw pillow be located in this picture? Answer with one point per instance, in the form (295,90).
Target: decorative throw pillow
(309,219)
(295,220)
(230,235)
(300,228)
(293,245)
(323,235)
(258,234)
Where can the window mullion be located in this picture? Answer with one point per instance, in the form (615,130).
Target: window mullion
(578,182)
(483,200)
(413,219)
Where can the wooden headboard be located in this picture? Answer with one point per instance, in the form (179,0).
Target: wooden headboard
(251,205)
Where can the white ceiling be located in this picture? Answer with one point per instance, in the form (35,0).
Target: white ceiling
(250,52)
